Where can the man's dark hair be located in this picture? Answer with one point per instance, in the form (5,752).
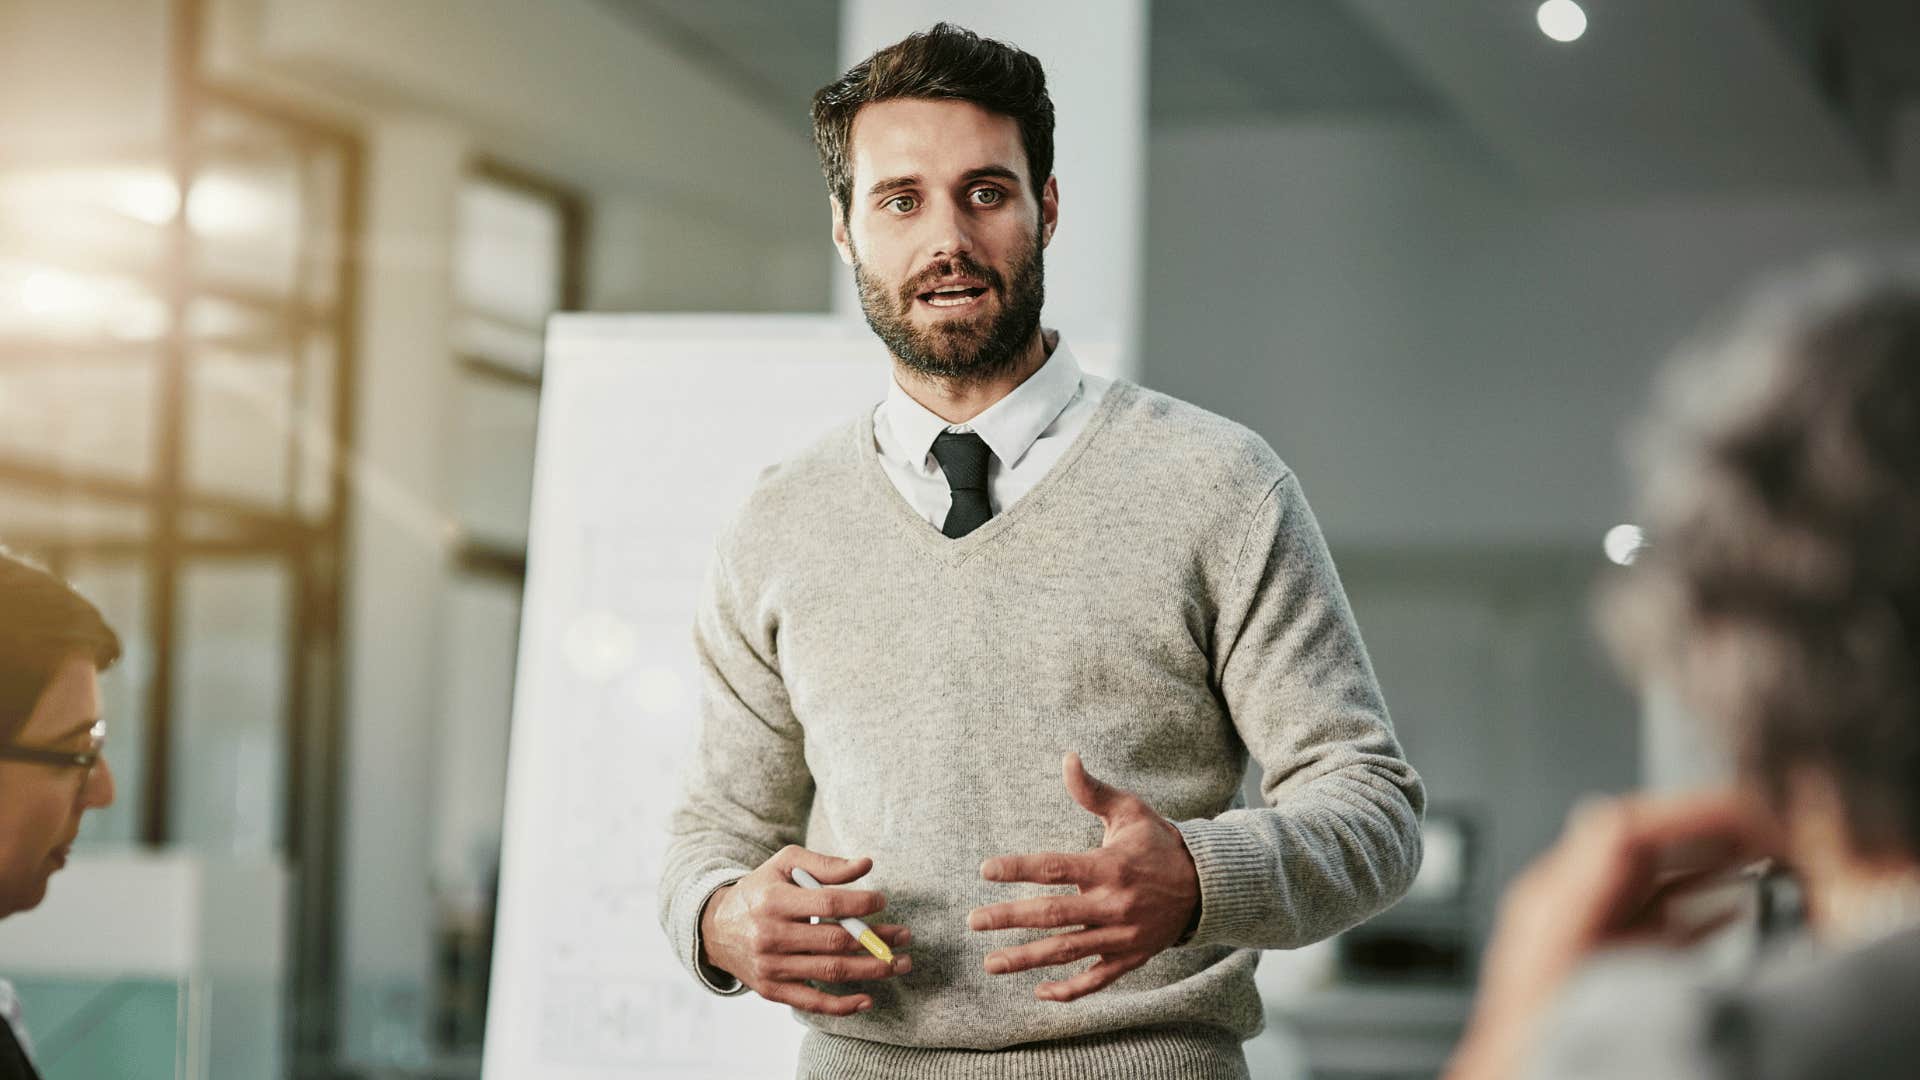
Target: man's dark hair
(946,62)
(43,624)
(1779,595)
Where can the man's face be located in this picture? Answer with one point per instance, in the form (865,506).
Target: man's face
(944,235)
(41,805)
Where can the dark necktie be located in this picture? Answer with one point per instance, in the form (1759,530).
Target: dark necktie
(963,457)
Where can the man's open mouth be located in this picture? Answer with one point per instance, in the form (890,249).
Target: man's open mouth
(949,296)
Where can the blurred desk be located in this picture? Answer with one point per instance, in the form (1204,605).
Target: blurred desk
(1376,1032)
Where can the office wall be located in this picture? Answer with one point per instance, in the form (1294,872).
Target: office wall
(659,255)
(75,77)
(1448,361)
(1444,357)
(567,86)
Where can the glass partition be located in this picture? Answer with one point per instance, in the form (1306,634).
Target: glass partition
(175,361)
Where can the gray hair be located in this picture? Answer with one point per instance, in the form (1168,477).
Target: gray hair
(1779,596)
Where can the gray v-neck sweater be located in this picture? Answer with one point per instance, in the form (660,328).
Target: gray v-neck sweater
(1163,603)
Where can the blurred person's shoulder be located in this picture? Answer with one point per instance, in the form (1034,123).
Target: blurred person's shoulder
(1793,1013)
(1848,1013)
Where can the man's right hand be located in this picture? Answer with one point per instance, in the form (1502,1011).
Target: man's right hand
(756,930)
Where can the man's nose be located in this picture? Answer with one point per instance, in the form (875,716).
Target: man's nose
(98,791)
(951,233)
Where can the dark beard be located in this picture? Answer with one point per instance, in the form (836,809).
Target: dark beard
(959,350)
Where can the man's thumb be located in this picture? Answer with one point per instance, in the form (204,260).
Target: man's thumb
(1096,795)
(829,869)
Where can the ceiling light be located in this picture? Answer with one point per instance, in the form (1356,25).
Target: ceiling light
(1561,20)
(1623,544)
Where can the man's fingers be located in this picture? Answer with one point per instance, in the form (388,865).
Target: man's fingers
(1041,912)
(807,999)
(1059,949)
(896,937)
(797,902)
(829,869)
(1046,868)
(830,938)
(1094,978)
(832,969)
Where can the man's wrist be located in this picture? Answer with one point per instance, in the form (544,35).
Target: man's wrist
(1193,924)
(707,930)
(1193,919)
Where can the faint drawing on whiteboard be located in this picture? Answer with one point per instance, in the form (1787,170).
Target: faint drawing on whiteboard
(652,432)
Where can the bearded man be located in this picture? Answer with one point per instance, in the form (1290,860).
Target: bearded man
(999,651)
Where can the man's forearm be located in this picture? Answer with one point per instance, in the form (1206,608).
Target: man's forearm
(1286,876)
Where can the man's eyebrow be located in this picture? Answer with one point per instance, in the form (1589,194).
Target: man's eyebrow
(77,731)
(893,183)
(996,172)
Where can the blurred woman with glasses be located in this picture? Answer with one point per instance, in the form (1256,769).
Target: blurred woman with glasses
(53,645)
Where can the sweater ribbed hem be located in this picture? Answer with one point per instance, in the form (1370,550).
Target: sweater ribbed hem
(1171,1052)
(1236,897)
(686,930)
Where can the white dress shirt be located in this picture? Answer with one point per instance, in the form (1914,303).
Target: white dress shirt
(1027,431)
(14,1017)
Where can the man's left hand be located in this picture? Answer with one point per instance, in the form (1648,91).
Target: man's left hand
(1138,893)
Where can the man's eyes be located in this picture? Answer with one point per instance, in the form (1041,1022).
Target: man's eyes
(982,196)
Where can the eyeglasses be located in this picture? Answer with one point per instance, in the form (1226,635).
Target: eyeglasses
(67,759)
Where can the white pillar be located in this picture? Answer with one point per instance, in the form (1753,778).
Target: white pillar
(1095,54)
(399,556)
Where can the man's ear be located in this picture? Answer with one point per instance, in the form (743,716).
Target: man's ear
(1049,210)
(840,241)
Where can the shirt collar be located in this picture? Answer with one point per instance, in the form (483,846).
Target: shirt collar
(1009,426)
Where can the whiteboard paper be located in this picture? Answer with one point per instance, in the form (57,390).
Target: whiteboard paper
(652,432)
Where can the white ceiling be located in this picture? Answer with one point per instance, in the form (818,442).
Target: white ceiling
(1656,96)
(1215,61)
(1211,58)
(776,51)
(1659,95)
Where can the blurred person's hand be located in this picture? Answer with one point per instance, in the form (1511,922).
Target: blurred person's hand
(756,929)
(1624,871)
(1139,893)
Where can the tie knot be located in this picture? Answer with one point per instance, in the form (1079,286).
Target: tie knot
(963,457)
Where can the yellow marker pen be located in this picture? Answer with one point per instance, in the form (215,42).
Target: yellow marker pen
(861,931)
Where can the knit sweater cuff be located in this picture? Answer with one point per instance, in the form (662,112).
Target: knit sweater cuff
(1236,882)
(694,901)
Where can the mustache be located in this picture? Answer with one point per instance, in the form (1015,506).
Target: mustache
(959,265)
